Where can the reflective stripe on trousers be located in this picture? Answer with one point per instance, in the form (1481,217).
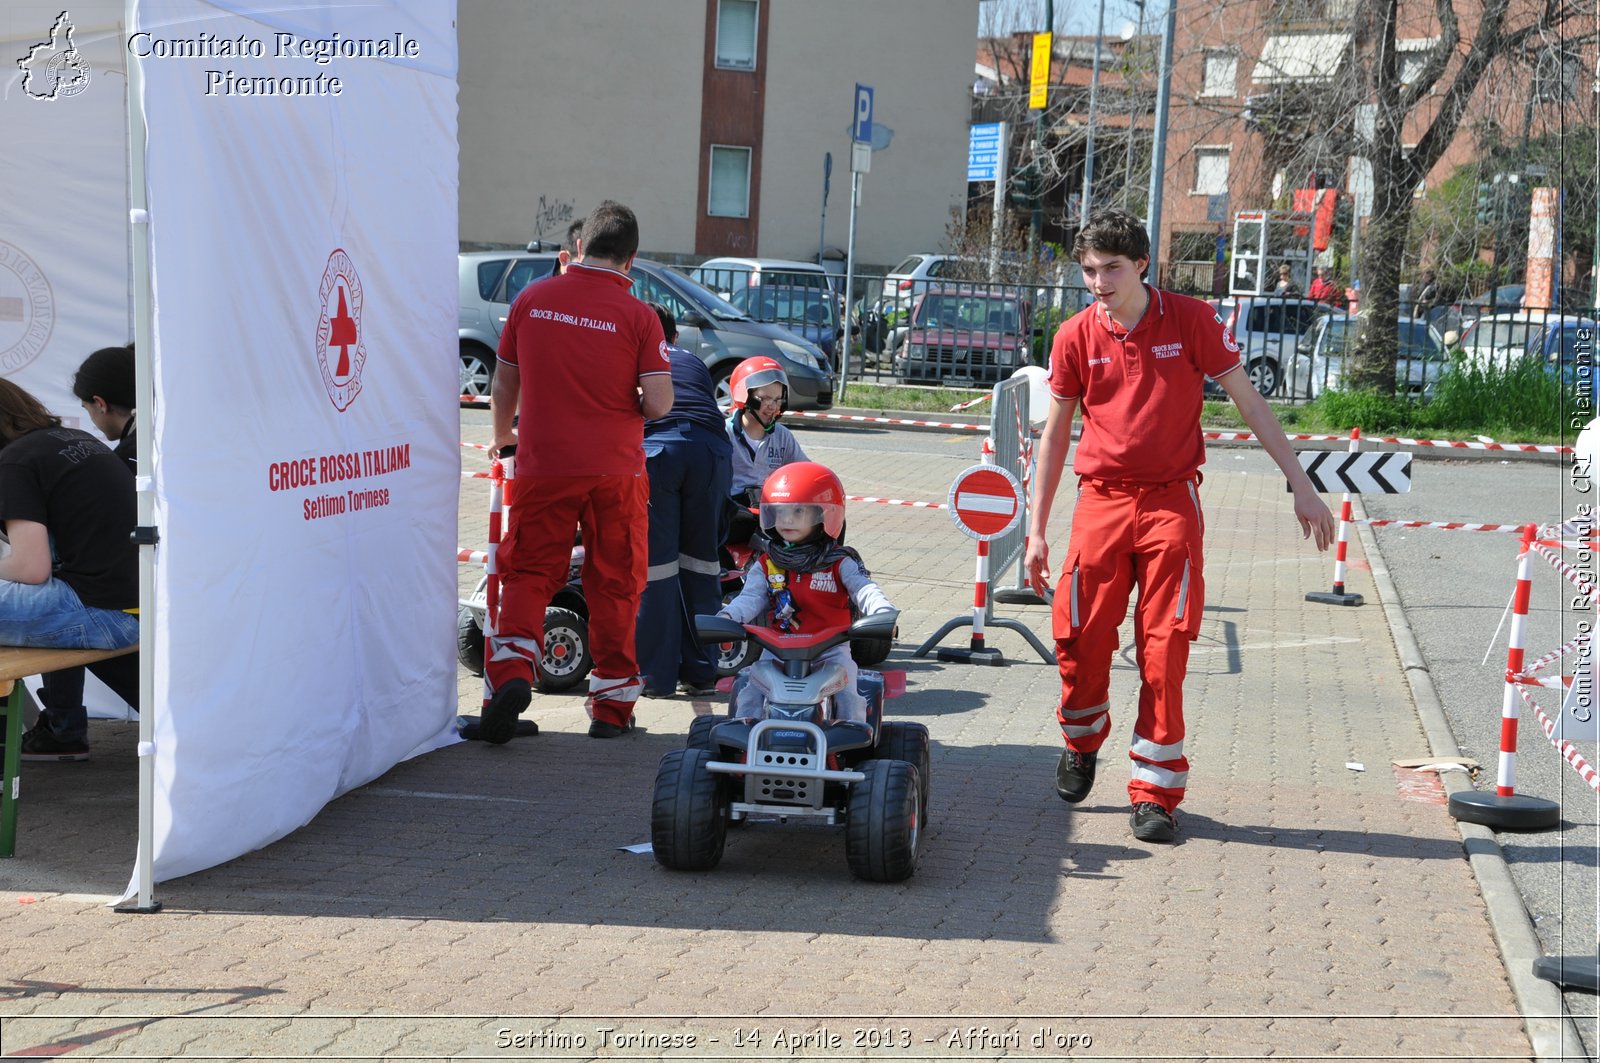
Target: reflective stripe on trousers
(1123,537)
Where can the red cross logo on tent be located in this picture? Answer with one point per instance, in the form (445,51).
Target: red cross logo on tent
(985,502)
(340,326)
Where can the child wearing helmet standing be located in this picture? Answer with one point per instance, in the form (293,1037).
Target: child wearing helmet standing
(803,578)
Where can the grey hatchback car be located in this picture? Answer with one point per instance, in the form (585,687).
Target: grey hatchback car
(720,333)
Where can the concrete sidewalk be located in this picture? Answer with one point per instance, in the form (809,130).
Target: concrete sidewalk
(476,903)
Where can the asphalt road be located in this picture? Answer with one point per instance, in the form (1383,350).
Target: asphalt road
(1454,588)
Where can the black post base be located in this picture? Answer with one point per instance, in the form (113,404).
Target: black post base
(1517,812)
(1334,598)
(1570,972)
(979,655)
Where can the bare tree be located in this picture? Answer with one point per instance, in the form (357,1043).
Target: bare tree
(1413,80)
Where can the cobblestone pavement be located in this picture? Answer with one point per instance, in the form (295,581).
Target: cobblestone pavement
(477,902)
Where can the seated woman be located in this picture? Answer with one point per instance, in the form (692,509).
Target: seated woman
(71,578)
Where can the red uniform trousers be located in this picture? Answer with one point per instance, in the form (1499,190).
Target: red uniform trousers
(533,559)
(1125,535)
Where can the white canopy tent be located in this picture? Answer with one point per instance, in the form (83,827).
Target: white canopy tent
(291,197)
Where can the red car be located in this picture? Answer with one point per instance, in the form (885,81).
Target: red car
(960,336)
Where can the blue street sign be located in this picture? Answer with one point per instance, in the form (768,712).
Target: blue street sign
(861,130)
(983,152)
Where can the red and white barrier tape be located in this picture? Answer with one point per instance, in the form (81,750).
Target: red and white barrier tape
(985,397)
(1458,444)
(468,556)
(1556,654)
(1573,576)
(1514,529)
(887,420)
(477,475)
(1568,751)
(898,502)
(476,400)
(475,446)
(1550,682)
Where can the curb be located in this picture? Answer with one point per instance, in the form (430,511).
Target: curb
(1544,1014)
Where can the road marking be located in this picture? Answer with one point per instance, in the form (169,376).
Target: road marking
(432,795)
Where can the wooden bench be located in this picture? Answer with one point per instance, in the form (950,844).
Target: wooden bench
(16,664)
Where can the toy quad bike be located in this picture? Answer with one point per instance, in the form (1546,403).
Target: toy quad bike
(872,778)
(735,557)
(566,661)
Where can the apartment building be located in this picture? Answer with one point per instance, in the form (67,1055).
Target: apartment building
(713,120)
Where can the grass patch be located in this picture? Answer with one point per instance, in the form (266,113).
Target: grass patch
(866,395)
(1519,404)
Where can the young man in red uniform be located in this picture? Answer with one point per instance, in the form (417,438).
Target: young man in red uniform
(1135,363)
(586,364)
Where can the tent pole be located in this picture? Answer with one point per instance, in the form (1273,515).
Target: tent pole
(144,390)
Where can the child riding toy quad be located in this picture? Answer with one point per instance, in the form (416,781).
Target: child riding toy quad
(799,761)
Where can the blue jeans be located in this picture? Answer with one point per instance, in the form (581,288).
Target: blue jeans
(50,615)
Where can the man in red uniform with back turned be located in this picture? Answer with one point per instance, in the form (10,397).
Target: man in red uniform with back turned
(586,364)
(1135,362)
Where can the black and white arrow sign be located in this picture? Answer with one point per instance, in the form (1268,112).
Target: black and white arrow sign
(1359,473)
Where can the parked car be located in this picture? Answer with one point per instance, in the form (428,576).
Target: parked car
(1498,339)
(489,281)
(709,325)
(965,336)
(1507,300)
(1268,329)
(1566,345)
(726,275)
(1320,360)
(917,272)
(723,336)
(808,312)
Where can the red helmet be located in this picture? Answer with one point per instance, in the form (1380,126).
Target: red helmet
(803,484)
(755,373)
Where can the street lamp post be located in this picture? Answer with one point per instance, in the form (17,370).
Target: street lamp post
(1094,95)
(1158,145)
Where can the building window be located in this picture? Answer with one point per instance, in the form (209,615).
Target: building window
(1222,71)
(1211,171)
(736,34)
(729,195)
(1414,55)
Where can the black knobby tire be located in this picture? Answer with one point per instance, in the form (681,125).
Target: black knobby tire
(567,660)
(469,641)
(700,731)
(883,827)
(870,652)
(688,821)
(899,740)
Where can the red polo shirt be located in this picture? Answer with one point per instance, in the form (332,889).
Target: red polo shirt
(1140,391)
(582,342)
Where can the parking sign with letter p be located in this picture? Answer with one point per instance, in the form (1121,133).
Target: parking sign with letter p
(861,131)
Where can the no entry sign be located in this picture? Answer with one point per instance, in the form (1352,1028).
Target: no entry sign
(985,501)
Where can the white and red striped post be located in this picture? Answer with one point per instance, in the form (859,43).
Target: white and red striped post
(1506,808)
(500,472)
(1338,596)
(980,597)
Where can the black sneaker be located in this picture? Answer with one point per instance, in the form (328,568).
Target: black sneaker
(40,744)
(602,729)
(1152,823)
(499,722)
(1075,775)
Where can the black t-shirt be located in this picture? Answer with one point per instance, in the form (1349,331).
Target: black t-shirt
(83,494)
